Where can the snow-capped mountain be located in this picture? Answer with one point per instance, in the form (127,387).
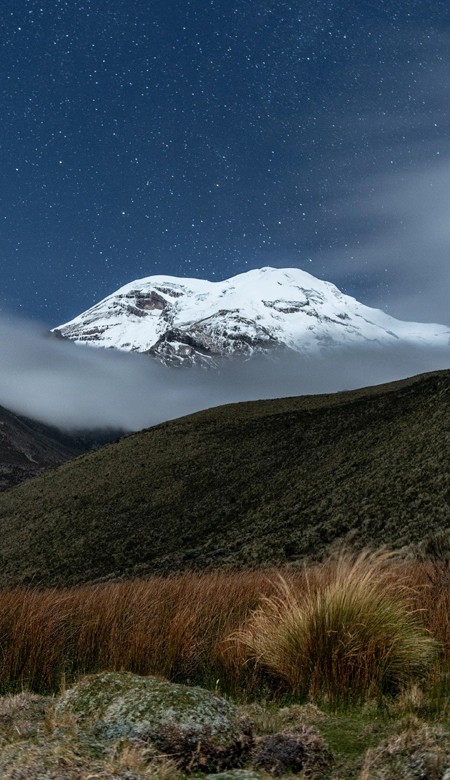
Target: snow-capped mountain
(195,321)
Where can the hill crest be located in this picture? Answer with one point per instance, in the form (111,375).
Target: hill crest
(256,483)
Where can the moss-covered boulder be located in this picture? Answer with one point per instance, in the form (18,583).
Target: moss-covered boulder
(199,730)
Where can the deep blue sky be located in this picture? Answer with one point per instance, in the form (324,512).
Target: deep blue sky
(207,137)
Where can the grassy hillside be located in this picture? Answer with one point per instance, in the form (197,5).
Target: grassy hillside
(242,485)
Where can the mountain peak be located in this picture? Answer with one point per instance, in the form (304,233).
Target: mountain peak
(195,321)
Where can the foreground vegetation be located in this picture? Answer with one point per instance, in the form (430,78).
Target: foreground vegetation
(339,670)
(252,484)
(38,740)
(348,630)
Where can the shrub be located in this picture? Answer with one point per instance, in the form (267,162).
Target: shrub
(350,634)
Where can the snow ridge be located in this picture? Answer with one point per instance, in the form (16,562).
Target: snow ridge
(195,321)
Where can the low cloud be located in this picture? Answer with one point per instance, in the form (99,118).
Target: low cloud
(78,387)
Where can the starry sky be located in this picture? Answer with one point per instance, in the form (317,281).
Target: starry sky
(208,137)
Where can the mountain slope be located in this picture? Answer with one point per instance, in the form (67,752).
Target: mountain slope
(194,321)
(28,447)
(252,483)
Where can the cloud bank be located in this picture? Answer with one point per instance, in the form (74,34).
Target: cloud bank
(78,388)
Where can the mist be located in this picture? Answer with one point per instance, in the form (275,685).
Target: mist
(82,388)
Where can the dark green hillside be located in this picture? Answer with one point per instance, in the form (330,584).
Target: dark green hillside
(246,484)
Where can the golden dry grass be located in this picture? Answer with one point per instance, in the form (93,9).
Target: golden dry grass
(178,626)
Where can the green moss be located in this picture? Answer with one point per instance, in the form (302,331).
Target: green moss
(124,704)
(350,734)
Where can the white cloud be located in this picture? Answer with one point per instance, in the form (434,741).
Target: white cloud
(77,387)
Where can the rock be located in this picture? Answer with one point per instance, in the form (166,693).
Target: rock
(299,749)
(197,729)
(415,754)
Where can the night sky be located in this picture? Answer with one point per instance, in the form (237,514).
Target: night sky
(208,137)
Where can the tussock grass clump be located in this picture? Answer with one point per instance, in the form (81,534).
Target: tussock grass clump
(348,634)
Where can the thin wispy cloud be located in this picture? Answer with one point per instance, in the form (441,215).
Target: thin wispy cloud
(389,199)
(409,253)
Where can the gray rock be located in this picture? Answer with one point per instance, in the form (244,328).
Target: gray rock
(197,729)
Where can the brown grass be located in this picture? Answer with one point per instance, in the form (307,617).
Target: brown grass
(177,627)
(166,626)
